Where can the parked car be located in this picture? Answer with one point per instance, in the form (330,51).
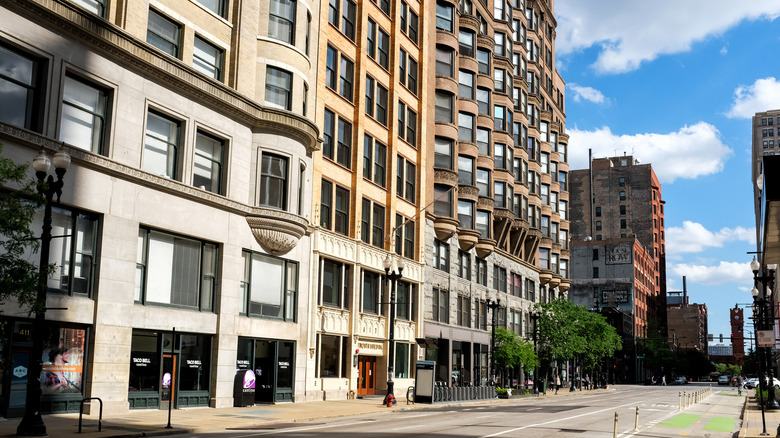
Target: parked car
(724,380)
(751,383)
(681,380)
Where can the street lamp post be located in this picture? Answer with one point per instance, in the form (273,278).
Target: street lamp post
(493,305)
(393,277)
(765,321)
(32,422)
(761,382)
(535,320)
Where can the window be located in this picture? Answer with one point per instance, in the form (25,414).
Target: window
(499,278)
(530,290)
(278,88)
(330,67)
(374,160)
(346,78)
(406,179)
(464,311)
(621,182)
(464,264)
(273,181)
(164,34)
(622,209)
(465,127)
(72,252)
(483,141)
(269,287)
(500,46)
(84,114)
(595,272)
(483,182)
(545,194)
(444,104)
(373,224)
(348,19)
(499,80)
(410,77)
(333,353)
(443,150)
(598,225)
(334,284)
(407,117)
(384,5)
(444,16)
(622,195)
(281,20)
(483,59)
(483,224)
(207,173)
(545,226)
(465,84)
(481,266)
(405,302)
(562,181)
(500,118)
(207,58)
(161,148)
(466,43)
(384,49)
(404,236)
(544,259)
(442,200)
(373,293)
(562,209)
(344,143)
(411,26)
(334,215)
(466,214)
(499,194)
(175,270)
(441,305)
(444,61)
(465,170)
(483,100)
(371,39)
(441,255)
(623,224)
(98,7)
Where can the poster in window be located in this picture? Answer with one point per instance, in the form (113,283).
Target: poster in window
(63,362)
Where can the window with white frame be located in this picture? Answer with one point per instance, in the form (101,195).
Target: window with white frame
(269,287)
(164,33)
(278,88)
(273,181)
(334,284)
(281,20)
(84,114)
(161,146)
(441,255)
(209,156)
(175,270)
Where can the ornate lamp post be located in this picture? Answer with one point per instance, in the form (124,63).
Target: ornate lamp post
(32,423)
(493,305)
(761,379)
(535,319)
(765,321)
(393,277)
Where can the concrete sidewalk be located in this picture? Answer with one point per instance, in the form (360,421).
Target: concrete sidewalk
(752,422)
(153,422)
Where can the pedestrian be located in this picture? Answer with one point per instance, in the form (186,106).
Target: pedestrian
(557,383)
(587,381)
(652,381)
(663,380)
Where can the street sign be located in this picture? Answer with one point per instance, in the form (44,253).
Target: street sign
(766,338)
(709,337)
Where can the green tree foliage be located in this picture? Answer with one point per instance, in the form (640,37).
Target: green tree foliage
(512,351)
(18,276)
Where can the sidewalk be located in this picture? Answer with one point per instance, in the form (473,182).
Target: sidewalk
(752,424)
(153,422)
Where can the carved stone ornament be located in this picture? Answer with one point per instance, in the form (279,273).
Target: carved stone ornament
(444,176)
(276,231)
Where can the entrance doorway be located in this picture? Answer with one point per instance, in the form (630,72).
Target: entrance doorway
(367,370)
(169,380)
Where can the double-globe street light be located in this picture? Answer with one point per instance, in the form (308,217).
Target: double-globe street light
(494,305)
(393,276)
(764,321)
(32,423)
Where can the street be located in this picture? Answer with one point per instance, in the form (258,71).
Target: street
(580,414)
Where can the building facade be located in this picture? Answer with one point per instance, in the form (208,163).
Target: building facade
(497,233)
(688,326)
(183,234)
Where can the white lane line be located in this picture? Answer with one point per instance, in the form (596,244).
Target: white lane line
(409,427)
(298,429)
(555,421)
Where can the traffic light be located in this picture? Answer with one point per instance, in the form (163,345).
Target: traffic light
(721,337)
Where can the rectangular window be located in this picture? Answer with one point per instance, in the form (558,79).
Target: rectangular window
(207,58)
(273,181)
(483,59)
(278,88)
(348,19)
(281,20)
(441,255)
(444,16)
(84,114)
(464,264)
(384,49)
(466,43)
(344,145)
(346,78)
(465,127)
(444,61)
(443,150)
(371,39)
(161,146)
(483,101)
(330,67)
(405,302)
(381,104)
(374,160)
(335,281)
(465,84)
(464,311)
(328,133)
(466,214)
(483,224)
(465,170)
(499,278)
(333,353)
(483,141)
(444,104)
(207,172)
(441,305)
(372,293)
(481,271)
(175,270)
(164,34)
(370,90)
(269,287)
(442,200)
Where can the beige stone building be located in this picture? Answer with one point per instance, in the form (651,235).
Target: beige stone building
(374,112)
(183,237)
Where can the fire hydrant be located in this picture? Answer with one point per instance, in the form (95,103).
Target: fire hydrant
(390,399)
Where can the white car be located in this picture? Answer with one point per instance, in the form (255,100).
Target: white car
(751,383)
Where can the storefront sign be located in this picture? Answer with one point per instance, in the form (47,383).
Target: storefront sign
(141,361)
(619,254)
(194,363)
(615,296)
(369,348)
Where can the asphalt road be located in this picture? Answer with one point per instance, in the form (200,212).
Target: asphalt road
(584,414)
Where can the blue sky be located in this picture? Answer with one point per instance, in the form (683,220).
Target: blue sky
(676,84)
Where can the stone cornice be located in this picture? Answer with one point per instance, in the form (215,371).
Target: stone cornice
(133,54)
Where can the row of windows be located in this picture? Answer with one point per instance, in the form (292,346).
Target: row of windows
(474,313)
(769,121)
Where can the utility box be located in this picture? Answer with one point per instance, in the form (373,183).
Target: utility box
(244,388)
(423,382)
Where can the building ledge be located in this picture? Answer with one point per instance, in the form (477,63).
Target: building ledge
(276,231)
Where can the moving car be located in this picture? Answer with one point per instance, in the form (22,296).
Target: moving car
(724,380)
(751,383)
(681,380)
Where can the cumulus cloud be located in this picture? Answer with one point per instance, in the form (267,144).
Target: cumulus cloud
(586,93)
(712,275)
(693,237)
(630,33)
(763,95)
(691,152)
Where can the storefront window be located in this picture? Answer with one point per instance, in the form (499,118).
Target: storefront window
(195,362)
(144,362)
(401,361)
(284,378)
(63,361)
(333,356)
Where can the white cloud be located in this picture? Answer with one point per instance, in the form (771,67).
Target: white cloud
(691,152)
(586,93)
(713,275)
(630,33)
(763,95)
(692,237)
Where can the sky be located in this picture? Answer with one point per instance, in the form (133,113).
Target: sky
(676,85)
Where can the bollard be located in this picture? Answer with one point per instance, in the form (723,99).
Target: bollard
(679,401)
(614,429)
(636,419)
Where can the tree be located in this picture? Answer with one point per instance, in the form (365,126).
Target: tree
(511,351)
(18,202)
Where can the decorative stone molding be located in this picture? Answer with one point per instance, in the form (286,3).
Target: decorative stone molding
(120,46)
(545,276)
(468,192)
(445,227)
(485,203)
(444,176)
(503,213)
(334,245)
(485,247)
(372,326)
(276,231)
(564,285)
(555,281)
(331,320)
(486,42)
(405,330)
(467,238)
(469,21)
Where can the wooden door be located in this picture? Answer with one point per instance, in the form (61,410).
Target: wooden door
(367,372)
